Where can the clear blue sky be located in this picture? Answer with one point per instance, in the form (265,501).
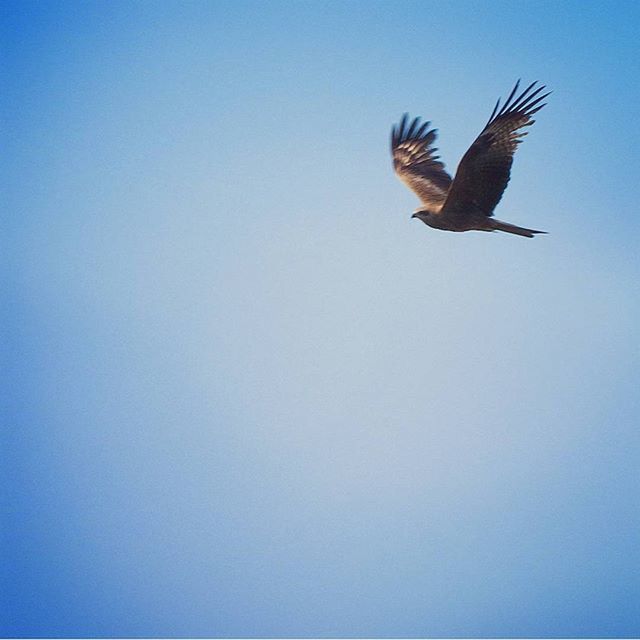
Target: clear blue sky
(246,394)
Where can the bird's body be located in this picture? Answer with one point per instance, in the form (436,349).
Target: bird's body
(466,203)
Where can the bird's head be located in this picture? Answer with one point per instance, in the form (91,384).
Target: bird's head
(422,214)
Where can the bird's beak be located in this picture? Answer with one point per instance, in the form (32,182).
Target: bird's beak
(415,215)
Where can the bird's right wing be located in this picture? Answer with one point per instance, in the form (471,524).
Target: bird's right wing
(416,163)
(484,170)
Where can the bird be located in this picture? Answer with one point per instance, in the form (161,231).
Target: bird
(467,202)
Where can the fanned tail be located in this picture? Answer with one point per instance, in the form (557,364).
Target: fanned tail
(498,225)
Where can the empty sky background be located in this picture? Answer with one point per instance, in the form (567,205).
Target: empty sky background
(245,394)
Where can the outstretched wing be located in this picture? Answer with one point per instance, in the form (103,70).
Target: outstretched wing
(484,170)
(416,163)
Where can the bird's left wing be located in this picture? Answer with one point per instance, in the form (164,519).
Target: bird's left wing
(484,170)
(416,163)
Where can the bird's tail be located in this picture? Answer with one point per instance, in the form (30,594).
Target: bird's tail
(498,225)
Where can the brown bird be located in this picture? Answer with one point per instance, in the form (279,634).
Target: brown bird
(467,202)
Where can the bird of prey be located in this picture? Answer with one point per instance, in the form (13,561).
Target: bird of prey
(467,202)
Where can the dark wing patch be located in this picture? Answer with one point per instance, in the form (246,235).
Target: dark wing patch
(416,163)
(484,171)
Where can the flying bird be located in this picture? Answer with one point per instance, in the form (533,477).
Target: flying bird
(466,203)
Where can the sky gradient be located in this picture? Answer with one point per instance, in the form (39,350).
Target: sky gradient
(245,394)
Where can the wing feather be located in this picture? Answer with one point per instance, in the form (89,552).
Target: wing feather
(484,171)
(416,163)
